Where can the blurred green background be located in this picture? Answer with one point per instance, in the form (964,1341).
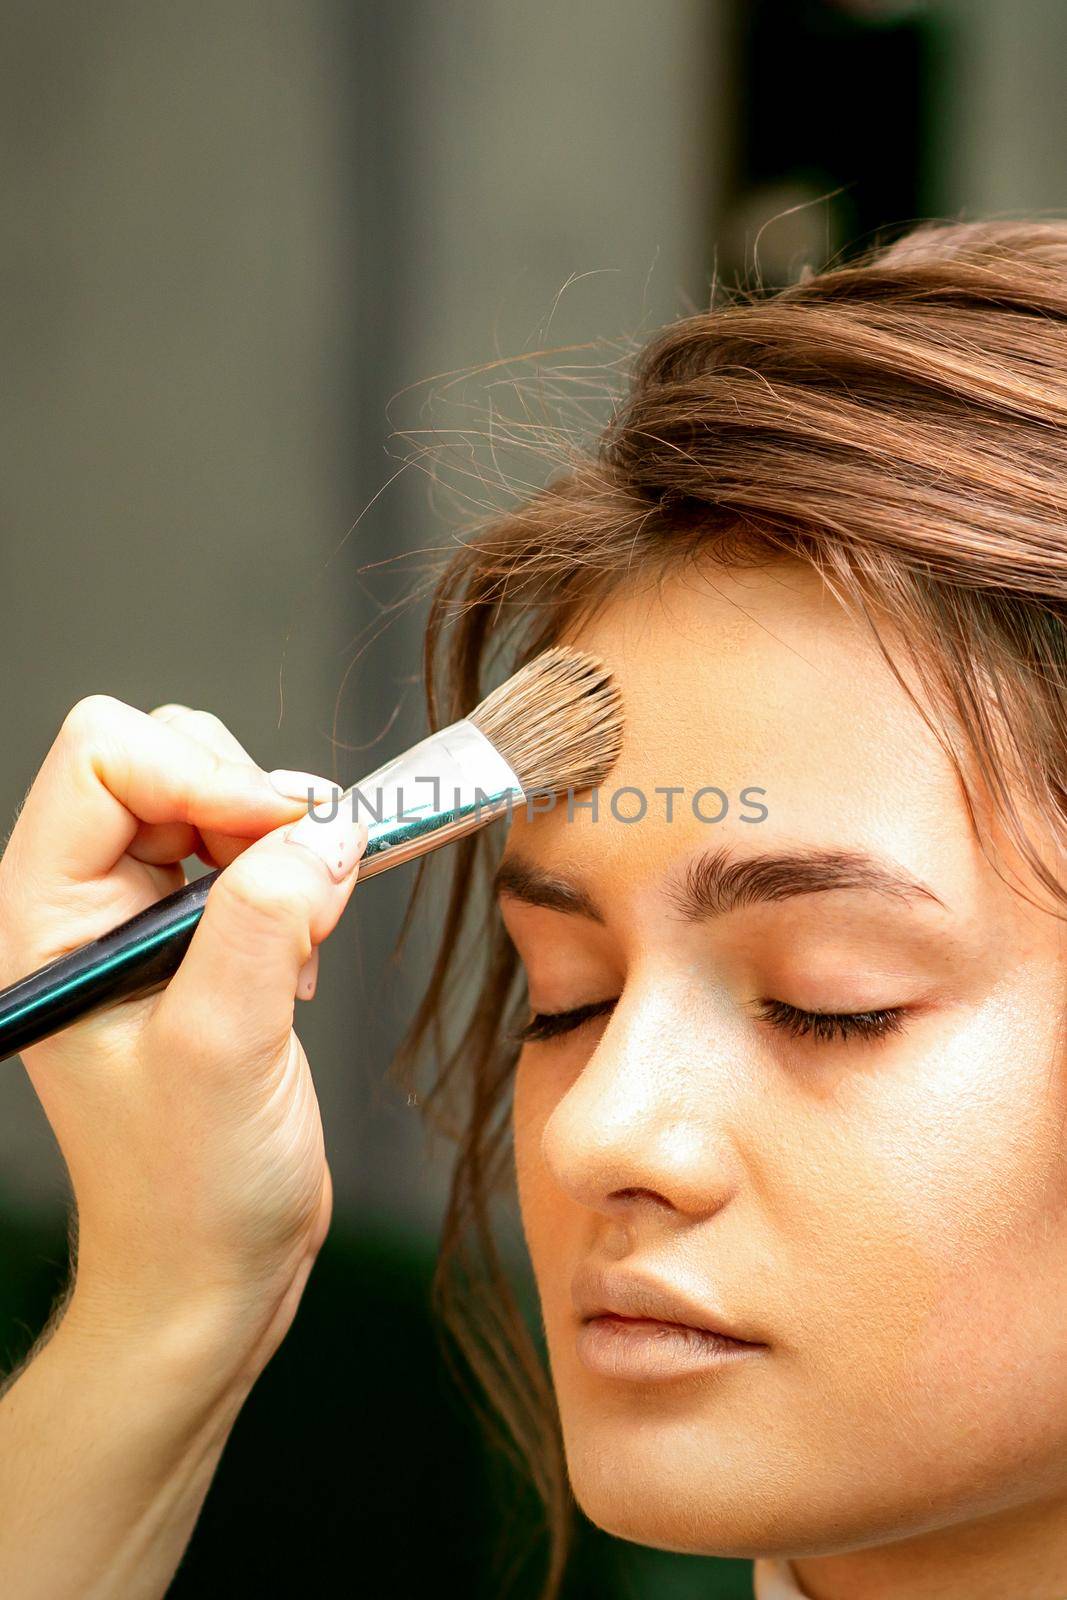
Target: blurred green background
(233,233)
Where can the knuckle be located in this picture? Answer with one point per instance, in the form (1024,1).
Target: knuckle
(196,732)
(210,730)
(195,723)
(89,716)
(207,720)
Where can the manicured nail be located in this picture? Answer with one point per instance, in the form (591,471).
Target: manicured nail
(335,837)
(302,785)
(308,977)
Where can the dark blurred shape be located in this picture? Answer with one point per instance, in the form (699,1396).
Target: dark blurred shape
(838,105)
(355,1467)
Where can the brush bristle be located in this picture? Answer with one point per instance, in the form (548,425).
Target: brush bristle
(557,721)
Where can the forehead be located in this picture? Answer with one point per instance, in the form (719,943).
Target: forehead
(758,679)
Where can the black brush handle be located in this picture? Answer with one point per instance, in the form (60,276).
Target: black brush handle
(143,954)
(135,958)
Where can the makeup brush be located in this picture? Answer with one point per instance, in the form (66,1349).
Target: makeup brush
(555,726)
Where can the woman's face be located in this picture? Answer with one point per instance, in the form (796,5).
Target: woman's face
(878,1206)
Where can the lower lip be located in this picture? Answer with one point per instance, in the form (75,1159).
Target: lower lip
(654,1352)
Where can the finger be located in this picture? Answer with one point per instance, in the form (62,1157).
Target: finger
(163,843)
(204,726)
(215,848)
(156,843)
(112,769)
(263,918)
(307,979)
(218,849)
(167,878)
(139,885)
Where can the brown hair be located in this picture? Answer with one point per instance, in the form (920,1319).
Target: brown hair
(900,423)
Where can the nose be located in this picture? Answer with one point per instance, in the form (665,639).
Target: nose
(650,1121)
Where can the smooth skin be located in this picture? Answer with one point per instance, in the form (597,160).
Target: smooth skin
(889,1216)
(190,1127)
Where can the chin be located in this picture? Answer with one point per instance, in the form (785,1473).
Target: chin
(720,1485)
(653,1493)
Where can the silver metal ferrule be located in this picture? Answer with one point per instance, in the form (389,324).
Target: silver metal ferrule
(443,787)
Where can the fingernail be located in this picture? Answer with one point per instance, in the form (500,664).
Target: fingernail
(301,785)
(339,841)
(308,977)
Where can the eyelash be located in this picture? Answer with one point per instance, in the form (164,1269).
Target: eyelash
(550,1024)
(824,1026)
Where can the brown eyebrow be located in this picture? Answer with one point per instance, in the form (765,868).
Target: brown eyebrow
(535,887)
(718,882)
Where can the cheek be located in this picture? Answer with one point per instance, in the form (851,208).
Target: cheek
(941,1235)
(541,1203)
(556,1228)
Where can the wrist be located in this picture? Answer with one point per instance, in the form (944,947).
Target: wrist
(217,1329)
(205,1346)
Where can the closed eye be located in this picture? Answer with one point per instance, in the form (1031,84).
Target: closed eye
(826,1026)
(550,1024)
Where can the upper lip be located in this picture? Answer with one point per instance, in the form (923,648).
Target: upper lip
(598,1292)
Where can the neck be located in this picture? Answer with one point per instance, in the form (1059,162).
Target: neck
(1020,1552)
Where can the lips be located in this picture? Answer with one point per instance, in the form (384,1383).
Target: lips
(642,1330)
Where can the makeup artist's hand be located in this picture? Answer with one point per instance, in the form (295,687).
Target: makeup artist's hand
(188,1119)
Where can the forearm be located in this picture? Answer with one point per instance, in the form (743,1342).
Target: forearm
(190,1128)
(107,1448)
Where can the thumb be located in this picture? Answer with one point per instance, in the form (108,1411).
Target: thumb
(233,995)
